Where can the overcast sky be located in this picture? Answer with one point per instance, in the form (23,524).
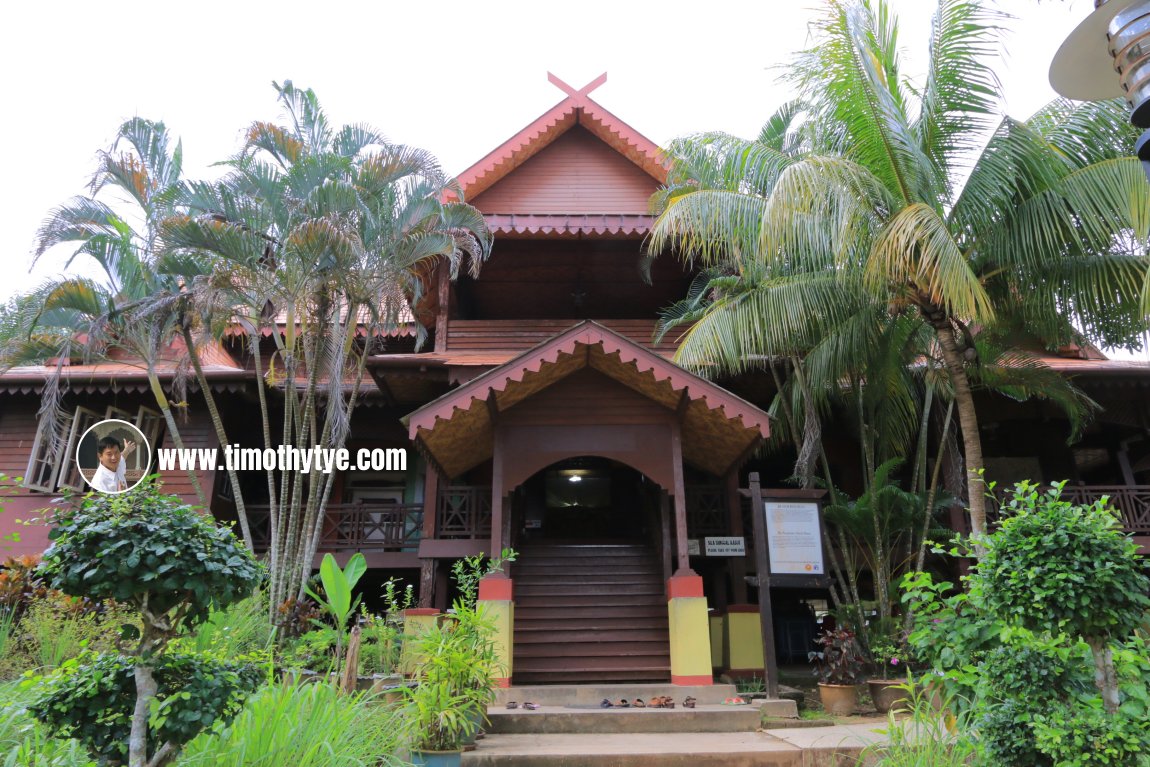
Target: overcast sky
(457,78)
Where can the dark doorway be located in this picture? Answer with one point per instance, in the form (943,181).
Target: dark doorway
(589,499)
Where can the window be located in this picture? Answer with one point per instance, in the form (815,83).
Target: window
(51,467)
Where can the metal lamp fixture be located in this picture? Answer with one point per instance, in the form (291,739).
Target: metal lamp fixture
(1107,56)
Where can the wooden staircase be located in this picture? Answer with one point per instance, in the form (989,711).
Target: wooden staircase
(590,613)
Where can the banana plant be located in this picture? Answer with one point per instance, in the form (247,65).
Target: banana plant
(337,587)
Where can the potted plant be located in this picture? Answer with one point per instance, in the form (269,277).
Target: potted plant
(440,719)
(889,691)
(838,666)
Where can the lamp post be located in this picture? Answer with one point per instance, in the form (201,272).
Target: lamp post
(1108,56)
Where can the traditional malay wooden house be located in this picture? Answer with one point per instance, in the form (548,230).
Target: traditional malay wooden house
(540,416)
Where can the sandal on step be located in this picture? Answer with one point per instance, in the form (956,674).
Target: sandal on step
(530,706)
(689,702)
(512,704)
(638,703)
(655,703)
(623,703)
(606,704)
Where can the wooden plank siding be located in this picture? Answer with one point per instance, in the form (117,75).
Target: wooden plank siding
(578,173)
(586,396)
(521,335)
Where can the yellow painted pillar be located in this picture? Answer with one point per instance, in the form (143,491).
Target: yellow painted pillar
(744,642)
(690,631)
(718,645)
(496,603)
(415,621)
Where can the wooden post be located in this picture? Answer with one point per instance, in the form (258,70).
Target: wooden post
(497,497)
(737,565)
(443,292)
(763,566)
(665,531)
(683,558)
(427,571)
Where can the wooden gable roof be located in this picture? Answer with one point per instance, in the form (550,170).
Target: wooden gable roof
(576,169)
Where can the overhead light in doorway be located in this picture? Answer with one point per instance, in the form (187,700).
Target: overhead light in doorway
(574,478)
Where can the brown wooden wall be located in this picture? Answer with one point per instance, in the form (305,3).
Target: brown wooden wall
(586,413)
(577,173)
(18,433)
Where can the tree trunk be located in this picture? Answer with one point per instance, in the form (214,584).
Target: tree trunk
(1105,677)
(971,440)
(222,437)
(166,410)
(138,739)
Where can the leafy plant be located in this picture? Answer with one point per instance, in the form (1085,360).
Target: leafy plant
(338,586)
(886,655)
(1053,566)
(172,564)
(440,716)
(925,738)
(92,699)
(840,661)
(1087,737)
(469,571)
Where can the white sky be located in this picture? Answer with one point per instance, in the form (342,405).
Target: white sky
(457,78)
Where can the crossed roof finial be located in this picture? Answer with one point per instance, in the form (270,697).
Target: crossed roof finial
(578,95)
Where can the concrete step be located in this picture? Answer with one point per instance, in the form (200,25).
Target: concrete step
(552,720)
(685,749)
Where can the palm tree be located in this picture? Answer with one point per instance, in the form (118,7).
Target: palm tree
(315,237)
(87,316)
(899,201)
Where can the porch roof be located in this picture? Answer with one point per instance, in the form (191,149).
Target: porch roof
(718,428)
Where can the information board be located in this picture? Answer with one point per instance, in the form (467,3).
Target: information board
(794,540)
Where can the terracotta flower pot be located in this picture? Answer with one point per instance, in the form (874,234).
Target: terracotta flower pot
(839,699)
(887,695)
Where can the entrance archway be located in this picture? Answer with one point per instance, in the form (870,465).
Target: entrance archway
(588,499)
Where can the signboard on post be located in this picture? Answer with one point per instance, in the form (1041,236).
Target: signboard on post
(788,554)
(725,547)
(794,537)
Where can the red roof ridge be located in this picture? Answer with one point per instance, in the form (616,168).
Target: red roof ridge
(578,108)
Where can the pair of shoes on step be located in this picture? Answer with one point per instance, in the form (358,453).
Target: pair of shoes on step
(528,705)
(622,703)
(662,701)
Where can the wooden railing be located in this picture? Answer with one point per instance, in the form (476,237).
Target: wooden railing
(1131,501)
(358,526)
(464,512)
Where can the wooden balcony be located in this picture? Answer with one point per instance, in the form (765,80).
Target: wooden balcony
(355,527)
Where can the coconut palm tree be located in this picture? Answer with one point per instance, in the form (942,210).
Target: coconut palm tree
(898,199)
(315,238)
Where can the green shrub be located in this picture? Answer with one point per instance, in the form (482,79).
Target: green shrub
(91,699)
(1008,735)
(1087,737)
(144,548)
(173,565)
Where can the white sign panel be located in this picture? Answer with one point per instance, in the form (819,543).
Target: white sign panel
(724,547)
(794,544)
(693,547)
